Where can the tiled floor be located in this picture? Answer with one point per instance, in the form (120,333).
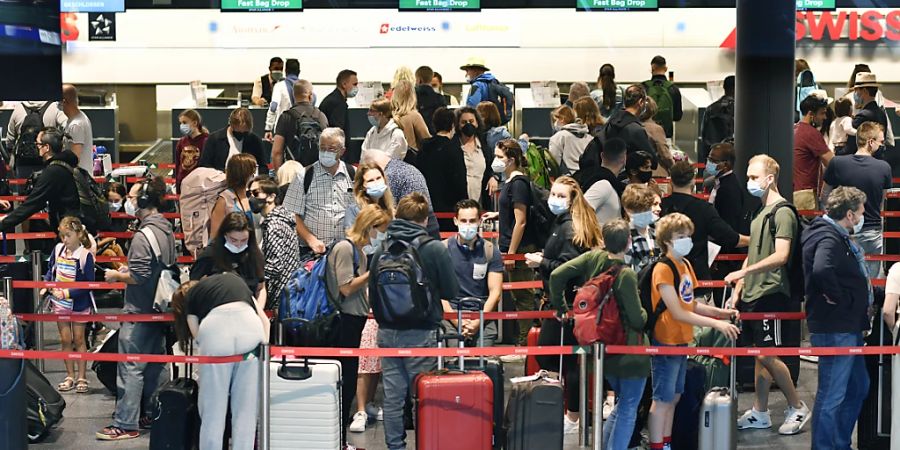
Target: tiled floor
(85,414)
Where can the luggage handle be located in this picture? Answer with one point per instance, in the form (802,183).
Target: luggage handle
(562,341)
(470,303)
(732,372)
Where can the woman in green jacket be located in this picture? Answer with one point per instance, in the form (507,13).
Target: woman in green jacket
(626,374)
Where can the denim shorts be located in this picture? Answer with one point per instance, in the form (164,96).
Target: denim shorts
(668,374)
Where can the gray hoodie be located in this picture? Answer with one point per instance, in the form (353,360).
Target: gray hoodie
(568,144)
(144,266)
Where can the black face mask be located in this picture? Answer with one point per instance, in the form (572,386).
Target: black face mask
(879,153)
(468,130)
(239,135)
(644,177)
(256,205)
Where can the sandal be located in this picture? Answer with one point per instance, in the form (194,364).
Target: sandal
(81,386)
(67,385)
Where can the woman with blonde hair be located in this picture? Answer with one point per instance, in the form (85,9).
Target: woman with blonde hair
(347,277)
(574,232)
(385,135)
(370,187)
(402,73)
(407,116)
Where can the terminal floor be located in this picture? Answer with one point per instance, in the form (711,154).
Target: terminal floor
(87,413)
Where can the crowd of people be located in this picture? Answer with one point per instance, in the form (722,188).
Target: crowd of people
(420,156)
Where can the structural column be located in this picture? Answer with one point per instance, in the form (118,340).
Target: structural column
(764,97)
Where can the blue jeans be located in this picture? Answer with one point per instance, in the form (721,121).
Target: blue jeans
(137,381)
(667,374)
(620,424)
(398,374)
(872,244)
(843,385)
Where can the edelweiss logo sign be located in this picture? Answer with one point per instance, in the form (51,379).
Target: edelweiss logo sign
(386,28)
(102,27)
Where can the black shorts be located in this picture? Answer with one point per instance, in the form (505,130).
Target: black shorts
(764,333)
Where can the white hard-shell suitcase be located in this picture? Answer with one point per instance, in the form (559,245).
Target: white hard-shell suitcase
(718,415)
(305,404)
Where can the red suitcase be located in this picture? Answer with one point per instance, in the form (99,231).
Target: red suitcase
(455,408)
(531,364)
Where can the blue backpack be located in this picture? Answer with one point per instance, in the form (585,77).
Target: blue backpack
(403,297)
(309,314)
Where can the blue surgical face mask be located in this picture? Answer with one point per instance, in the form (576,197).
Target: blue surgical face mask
(558,205)
(235,249)
(468,231)
(373,121)
(857,100)
(185,129)
(353,91)
(857,227)
(711,169)
(114,207)
(374,243)
(643,219)
(468,79)
(682,246)
(327,159)
(130,208)
(755,189)
(376,189)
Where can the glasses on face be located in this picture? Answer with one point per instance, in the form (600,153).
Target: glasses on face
(331,149)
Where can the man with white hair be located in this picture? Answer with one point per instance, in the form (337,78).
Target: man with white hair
(319,198)
(298,128)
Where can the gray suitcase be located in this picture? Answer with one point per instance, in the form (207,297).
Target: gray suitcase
(305,408)
(718,416)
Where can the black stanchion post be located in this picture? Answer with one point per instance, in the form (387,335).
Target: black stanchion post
(38,326)
(584,439)
(265,359)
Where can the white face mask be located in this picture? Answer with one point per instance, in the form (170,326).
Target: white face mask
(130,208)
(498,166)
(857,227)
(235,249)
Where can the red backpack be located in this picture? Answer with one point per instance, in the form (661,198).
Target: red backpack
(597,311)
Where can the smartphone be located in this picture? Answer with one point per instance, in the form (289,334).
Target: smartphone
(671,76)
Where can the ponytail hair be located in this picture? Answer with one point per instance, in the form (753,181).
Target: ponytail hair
(74,225)
(607,80)
(585,226)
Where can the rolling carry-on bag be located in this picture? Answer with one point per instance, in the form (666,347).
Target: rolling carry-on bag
(534,414)
(108,371)
(718,416)
(305,404)
(176,418)
(45,405)
(531,364)
(455,409)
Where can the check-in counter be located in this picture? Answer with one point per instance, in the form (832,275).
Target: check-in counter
(104,123)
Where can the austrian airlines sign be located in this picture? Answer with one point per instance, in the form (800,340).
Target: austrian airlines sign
(842,26)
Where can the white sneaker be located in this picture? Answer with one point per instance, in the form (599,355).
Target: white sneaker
(513,359)
(608,407)
(754,419)
(359,422)
(569,427)
(794,420)
(375,411)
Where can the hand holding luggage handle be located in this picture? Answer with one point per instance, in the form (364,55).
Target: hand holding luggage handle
(467,304)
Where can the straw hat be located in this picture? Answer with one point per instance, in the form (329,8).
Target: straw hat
(866,79)
(821,93)
(474,62)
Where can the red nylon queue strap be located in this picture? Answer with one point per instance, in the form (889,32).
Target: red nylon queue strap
(90,285)
(741,257)
(115,357)
(124,259)
(484,234)
(752,351)
(83,318)
(326,352)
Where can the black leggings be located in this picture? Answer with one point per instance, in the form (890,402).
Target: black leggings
(550,330)
(350,337)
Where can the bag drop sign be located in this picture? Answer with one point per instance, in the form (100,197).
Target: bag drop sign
(440,5)
(261,5)
(617,5)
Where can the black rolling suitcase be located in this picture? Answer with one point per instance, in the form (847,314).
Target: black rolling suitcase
(44,407)
(873,430)
(176,421)
(108,371)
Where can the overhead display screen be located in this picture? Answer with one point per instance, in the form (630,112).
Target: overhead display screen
(617,5)
(440,5)
(95,6)
(31,51)
(261,5)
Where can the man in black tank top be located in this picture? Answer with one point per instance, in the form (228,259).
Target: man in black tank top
(262,88)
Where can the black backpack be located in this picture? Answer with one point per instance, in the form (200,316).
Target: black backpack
(645,284)
(91,197)
(403,296)
(304,147)
(718,125)
(795,260)
(25,148)
(500,95)
(540,219)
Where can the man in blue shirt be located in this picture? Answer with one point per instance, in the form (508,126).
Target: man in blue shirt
(478,268)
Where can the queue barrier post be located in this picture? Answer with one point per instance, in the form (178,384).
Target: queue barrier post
(584,439)
(7,288)
(265,359)
(599,352)
(36,300)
